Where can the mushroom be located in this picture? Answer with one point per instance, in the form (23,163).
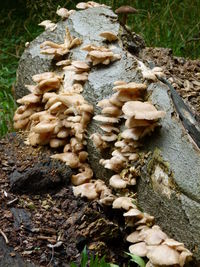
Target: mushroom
(154,236)
(84,176)
(139,249)
(123,203)
(85,190)
(71,159)
(125,10)
(29,99)
(117,182)
(63,13)
(109,36)
(163,255)
(142,110)
(48,25)
(105,119)
(135,237)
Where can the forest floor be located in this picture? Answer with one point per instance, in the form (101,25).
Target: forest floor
(42,213)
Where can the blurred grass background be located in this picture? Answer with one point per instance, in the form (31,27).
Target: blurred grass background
(162,23)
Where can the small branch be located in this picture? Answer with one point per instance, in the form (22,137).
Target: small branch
(193,40)
(4,236)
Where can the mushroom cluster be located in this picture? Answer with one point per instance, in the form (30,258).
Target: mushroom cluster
(100,55)
(75,71)
(55,112)
(150,74)
(89,4)
(95,190)
(153,243)
(59,50)
(141,119)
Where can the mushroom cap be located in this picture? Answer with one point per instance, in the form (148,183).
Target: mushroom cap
(64,62)
(163,255)
(134,212)
(113,111)
(71,159)
(172,243)
(123,203)
(110,36)
(135,237)
(63,13)
(154,236)
(44,127)
(82,5)
(55,142)
(142,110)
(105,119)
(117,182)
(139,249)
(109,137)
(43,76)
(132,86)
(82,178)
(132,122)
(81,65)
(85,190)
(133,133)
(126,10)
(100,54)
(29,99)
(108,128)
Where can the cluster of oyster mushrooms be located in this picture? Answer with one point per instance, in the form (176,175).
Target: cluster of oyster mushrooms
(141,118)
(56,113)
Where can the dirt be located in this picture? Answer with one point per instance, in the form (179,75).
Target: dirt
(34,220)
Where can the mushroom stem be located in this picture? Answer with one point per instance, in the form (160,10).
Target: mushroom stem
(124,19)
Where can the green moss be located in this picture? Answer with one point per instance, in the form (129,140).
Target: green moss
(156,159)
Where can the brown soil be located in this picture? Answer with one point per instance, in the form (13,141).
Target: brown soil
(34,220)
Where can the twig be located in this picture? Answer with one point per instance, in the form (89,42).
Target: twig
(4,236)
(193,39)
(12,201)
(52,255)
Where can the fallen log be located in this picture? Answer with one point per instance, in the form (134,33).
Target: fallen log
(168,188)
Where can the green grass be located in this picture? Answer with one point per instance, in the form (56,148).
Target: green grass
(172,23)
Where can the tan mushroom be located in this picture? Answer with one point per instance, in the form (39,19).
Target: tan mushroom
(87,190)
(109,36)
(105,119)
(163,255)
(84,176)
(142,110)
(29,99)
(123,203)
(63,13)
(117,182)
(71,159)
(48,25)
(139,249)
(135,237)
